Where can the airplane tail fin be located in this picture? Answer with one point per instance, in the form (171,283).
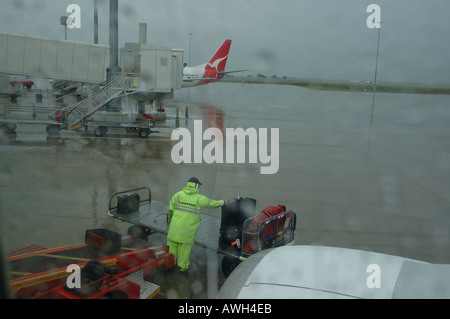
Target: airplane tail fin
(219,59)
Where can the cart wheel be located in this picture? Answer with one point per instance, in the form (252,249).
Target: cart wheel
(139,232)
(11,127)
(98,131)
(229,263)
(53,129)
(144,132)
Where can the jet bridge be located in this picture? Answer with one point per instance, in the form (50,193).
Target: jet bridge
(148,73)
(54,59)
(155,69)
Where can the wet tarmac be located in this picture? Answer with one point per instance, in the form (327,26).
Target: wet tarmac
(380,184)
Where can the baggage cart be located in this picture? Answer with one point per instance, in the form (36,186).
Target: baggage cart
(216,234)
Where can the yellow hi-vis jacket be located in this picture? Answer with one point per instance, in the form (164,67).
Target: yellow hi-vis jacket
(185,213)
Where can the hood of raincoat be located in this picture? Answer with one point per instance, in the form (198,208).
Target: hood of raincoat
(190,188)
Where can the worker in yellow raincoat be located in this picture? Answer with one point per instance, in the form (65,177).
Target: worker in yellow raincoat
(184,216)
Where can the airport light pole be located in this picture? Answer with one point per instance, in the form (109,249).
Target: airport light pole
(114,68)
(190,36)
(96,21)
(375,76)
(374,84)
(63,21)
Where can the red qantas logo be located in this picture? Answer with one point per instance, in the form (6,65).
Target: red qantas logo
(211,71)
(218,62)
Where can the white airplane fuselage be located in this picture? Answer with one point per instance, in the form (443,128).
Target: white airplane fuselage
(192,76)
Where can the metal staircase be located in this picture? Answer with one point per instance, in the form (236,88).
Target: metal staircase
(77,113)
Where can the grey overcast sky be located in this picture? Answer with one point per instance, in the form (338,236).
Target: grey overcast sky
(319,39)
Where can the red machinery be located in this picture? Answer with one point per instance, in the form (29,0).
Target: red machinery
(110,268)
(27,84)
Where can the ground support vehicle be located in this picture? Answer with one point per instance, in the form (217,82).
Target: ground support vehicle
(111,267)
(11,115)
(227,235)
(103,120)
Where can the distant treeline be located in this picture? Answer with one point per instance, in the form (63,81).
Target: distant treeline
(347,86)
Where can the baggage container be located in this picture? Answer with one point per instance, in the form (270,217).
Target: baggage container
(103,239)
(128,203)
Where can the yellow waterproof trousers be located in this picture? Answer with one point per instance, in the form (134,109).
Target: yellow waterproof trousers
(181,252)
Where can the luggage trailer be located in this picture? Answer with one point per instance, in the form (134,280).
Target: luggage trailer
(108,267)
(228,235)
(100,124)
